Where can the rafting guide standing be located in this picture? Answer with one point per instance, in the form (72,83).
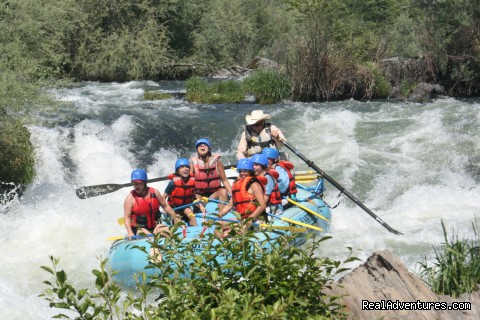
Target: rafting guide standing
(258,134)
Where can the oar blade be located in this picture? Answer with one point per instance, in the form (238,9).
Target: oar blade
(93,191)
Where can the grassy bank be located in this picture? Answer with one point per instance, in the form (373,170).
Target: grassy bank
(455,268)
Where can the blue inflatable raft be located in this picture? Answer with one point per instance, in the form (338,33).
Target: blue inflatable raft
(127,262)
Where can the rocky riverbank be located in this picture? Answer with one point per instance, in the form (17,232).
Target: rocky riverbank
(384,282)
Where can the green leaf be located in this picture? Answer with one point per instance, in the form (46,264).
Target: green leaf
(49,270)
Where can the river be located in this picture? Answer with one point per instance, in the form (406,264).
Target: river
(414,165)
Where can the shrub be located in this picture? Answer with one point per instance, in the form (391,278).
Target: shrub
(268,86)
(228,91)
(254,282)
(16,156)
(456,268)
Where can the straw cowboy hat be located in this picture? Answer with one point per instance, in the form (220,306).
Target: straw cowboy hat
(256,116)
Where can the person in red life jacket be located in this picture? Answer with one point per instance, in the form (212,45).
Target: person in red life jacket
(209,173)
(180,191)
(286,180)
(273,197)
(247,194)
(258,134)
(141,207)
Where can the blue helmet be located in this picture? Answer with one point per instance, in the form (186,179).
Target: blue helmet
(181,162)
(139,174)
(203,140)
(260,159)
(245,164)
(271,153)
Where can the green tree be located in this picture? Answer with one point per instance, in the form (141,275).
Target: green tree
(451,43)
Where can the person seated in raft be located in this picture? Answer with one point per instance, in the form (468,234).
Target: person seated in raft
(258,134)
(286,180)
(209,173)
(180,191)
(247,194)
(141,207)
(273,198)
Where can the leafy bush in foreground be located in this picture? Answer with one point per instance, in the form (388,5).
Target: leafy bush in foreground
(254,282)
(456,269)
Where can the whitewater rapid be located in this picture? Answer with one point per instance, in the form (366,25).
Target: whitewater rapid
(413,165)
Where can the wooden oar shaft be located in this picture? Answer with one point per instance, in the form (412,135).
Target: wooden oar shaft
(340,187)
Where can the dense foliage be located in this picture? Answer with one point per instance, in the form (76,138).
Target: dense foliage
(323,43)
(254,282)
(456,266)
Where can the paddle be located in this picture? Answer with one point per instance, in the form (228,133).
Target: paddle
(262,225)
(121,220)
(339,187)
(305,208)
(309,226)
(97,190)
(126,238)
(284,219)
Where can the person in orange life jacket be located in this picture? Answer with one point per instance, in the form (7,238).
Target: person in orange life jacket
(141,207)
(273,198)
(258,134)
(286,180)
(247,194)
(181,191)
(209,173)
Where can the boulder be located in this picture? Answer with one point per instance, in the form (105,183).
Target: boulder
(263,63)
(230,72)
(383,281)
(425,92)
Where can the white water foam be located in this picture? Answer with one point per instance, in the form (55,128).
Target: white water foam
(406,162)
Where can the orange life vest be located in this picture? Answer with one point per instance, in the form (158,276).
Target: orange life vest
(292,188)
(275,196)
(245,202)
(183,192)
(145,210)
(207,178)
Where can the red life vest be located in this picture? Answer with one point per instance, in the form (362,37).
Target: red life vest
(183,192)
(145,210)
(275,196)
(245,202)
(207,178)
(292,188)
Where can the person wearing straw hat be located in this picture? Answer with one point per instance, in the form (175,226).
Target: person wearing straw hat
(258,134)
